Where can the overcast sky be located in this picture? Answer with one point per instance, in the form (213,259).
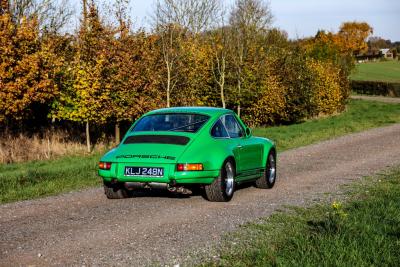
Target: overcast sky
(303,18)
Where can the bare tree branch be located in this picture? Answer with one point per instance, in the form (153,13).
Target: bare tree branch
(219,41)
(53,15)
(248,18)
(194,15)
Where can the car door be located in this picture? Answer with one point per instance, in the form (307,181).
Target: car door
(248,151)
(250,157)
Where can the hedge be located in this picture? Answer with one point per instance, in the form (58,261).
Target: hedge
(376,88)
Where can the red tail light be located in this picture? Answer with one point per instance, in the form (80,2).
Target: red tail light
(189,167)
(104,165)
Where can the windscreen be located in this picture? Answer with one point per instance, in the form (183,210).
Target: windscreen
(176,122)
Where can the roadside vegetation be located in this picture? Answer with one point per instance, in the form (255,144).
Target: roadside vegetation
(46,146)
(360,115)
(107,72)
(363,230)
(385,71)
(19,181)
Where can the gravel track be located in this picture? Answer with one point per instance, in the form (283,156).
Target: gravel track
(84,228)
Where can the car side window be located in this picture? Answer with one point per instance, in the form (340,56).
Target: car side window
(219,131)
(232,126)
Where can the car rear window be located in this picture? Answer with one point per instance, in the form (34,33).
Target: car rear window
(176,122)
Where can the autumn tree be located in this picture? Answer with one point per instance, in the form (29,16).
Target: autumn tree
(133,78)
(27,67)
(173,21)
(352,37)
(276,38)
(339,48)
(247,20)
(194,75)
(121,50)
(323,46)
(87,99)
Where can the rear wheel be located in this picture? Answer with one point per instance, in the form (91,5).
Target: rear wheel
(222,189)
(269,177)
(115,190)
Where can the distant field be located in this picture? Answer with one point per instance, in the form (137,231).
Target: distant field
(387,71)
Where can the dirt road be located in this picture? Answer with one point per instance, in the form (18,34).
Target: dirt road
(84,228)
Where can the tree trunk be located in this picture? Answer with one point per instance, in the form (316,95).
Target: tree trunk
(168,83)
(117,133)
(222,84)
(84,11)
(223,97)
(88,144)
(239,89)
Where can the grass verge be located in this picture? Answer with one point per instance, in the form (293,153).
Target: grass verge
(363,231)
(21,181)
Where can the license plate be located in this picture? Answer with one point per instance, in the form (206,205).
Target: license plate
(144,171)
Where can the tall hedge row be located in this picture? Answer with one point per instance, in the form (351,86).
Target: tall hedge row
(101,75)
(376,88)
(295,87)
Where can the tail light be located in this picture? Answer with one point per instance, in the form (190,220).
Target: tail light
(189,167)
(104,165)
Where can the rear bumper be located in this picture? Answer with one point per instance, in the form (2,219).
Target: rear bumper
(192,177)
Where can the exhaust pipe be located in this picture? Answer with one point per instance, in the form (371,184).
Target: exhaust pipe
(152,185)
(180,190)
(137,185)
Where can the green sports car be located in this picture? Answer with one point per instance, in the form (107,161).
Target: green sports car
(186,148)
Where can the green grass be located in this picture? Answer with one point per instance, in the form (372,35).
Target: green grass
(360,115)
(363,231)
(29,180)
(387,71)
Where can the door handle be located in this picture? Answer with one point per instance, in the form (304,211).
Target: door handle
(239,146)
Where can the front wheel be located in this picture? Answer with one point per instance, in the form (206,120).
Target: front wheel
(222,189)
(269,177)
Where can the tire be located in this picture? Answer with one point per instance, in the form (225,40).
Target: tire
(223,187)
(267,180)
(115,191)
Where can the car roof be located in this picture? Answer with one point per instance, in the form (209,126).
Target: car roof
(200,110)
